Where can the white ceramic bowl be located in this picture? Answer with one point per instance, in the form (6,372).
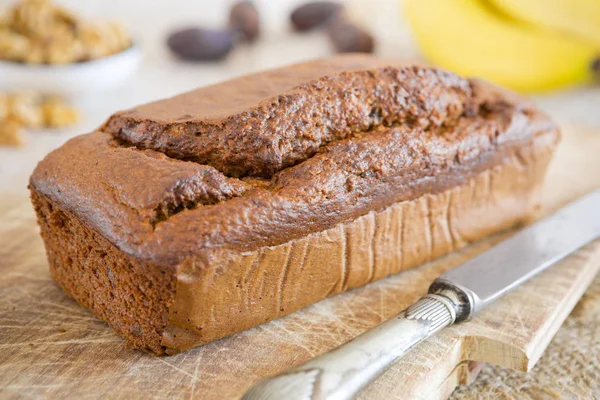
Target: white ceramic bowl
(72,79)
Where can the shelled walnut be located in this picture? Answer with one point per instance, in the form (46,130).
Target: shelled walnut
(39,32)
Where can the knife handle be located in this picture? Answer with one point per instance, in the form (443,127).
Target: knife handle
(341,373)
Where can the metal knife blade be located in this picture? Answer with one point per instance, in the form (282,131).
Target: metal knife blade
(495,272)
(453,297)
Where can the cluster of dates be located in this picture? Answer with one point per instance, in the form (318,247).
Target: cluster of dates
(201,44)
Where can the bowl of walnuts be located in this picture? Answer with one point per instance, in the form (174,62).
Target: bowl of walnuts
(46,48)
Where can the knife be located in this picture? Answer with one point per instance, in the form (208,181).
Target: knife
(454,297)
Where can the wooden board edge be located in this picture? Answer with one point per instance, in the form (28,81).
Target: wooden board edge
(464,373)
(538,345)
(494,351)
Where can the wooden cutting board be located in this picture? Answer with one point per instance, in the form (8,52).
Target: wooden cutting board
(52,348)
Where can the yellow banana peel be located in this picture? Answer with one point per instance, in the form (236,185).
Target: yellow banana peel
(580,18)
(470,38)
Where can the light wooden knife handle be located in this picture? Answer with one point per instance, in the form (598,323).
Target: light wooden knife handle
(343,372)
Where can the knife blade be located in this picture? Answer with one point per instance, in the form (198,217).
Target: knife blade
(496,271)
(453,297)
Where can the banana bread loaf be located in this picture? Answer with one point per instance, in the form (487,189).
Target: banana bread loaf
(188,219)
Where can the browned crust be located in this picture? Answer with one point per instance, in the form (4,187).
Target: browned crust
(260,124)
(290,127)
(133,296)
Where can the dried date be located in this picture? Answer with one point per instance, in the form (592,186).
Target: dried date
(314,14)
(198,44)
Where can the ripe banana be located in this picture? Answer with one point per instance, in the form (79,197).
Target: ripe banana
(468,37)
(577,17)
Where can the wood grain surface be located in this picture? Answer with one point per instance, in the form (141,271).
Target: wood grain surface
(52,348)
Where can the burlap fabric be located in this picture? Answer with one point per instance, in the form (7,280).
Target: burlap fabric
(569,369)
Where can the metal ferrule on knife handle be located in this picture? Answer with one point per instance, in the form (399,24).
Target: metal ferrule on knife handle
(463,299)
